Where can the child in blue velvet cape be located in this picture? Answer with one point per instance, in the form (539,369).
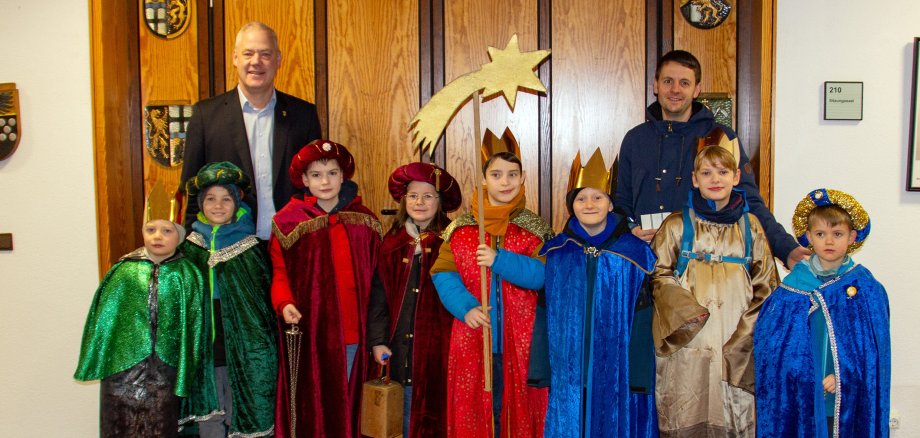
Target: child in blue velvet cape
(822,345)
(597,294)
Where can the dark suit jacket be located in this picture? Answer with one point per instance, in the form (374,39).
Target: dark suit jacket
(216,133)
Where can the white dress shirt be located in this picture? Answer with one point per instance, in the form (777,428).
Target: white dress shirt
(260,123)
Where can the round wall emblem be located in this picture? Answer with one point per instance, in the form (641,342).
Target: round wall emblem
(167,18)
(9,119)
(705,14)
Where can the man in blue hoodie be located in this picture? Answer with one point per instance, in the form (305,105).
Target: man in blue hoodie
(656,158)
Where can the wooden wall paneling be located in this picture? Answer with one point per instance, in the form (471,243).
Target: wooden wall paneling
(373,88)
(659,31)
(749,76)
(116,128)
(545,109)
(755,87)
(666,31)
(431,62)
(599,83)
(652,46)
(715,48)
(169,73)
(205,30)
(469,27)
(211,71)
(293,22)
(768,94)
(321,63)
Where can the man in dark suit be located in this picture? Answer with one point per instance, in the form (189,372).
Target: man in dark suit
(253,126)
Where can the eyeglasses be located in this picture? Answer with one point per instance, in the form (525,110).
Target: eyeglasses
(427,197)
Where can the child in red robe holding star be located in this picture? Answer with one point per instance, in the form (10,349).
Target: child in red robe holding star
(514,237)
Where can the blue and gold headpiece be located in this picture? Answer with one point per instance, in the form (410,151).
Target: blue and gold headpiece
(822,197)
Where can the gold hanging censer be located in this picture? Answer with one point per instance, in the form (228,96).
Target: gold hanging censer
(292,340)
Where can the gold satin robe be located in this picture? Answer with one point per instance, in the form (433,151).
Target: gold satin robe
(705,368)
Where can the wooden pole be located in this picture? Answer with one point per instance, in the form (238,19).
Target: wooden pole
(483,280)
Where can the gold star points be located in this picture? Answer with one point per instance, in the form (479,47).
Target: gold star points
(512,70)
(508,71)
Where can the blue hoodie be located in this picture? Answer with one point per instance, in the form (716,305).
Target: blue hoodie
(666,149)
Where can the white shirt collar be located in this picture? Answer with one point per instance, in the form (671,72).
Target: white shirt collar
(244,101)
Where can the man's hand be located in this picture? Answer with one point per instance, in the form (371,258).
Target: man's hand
(643,234)
(291,314)
(797,255)
(485,256)
(379,351)
(477,317)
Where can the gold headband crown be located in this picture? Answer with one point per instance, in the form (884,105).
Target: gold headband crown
(161,204)
(492,145)
(822,197)
(594,174)
(718,137)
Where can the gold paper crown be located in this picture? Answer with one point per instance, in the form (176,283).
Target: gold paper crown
(492,145)
(594,174)
(718,137)
(162,204)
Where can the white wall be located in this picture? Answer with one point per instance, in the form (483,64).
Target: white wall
(47,201)
(828,40)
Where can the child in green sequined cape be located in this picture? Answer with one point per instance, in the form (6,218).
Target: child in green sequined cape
(144,335)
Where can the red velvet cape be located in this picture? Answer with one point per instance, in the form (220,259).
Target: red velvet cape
(469,407)
(328,405)
(431,342)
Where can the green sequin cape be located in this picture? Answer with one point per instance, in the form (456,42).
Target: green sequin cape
(117,331)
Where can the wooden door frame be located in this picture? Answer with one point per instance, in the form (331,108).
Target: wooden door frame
(117,130)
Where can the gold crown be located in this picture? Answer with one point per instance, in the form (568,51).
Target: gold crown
(161,204)
(492,145)
(844,200)
(718,137)
(594,174)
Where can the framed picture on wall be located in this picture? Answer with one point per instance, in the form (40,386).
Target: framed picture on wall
(913,146)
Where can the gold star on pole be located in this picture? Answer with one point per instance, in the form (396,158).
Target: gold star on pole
(509,70)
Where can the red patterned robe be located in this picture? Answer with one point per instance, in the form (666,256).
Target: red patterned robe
(469,407)
(327,403)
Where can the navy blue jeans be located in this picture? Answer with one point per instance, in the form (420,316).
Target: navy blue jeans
(497,385)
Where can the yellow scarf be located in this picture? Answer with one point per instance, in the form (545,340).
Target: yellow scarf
(496,217)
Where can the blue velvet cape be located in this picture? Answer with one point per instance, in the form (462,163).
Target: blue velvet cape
(590,339)
(790,402)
